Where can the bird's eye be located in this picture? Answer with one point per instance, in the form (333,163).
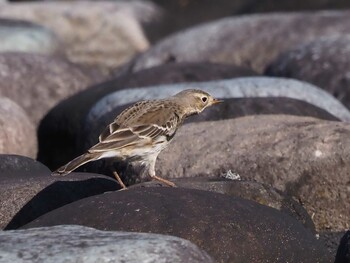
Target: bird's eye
(204,99)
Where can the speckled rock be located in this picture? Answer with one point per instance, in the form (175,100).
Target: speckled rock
(59,130)
(324,62)
(254,40)
(26,195)
(83,244)
(23,36)
(10,163)
(343,253)
(229,228)
(38,82)
(17,131)
(102,33)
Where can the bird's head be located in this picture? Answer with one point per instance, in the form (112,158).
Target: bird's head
(196,100)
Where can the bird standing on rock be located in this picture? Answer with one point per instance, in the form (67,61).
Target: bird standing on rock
(143,130)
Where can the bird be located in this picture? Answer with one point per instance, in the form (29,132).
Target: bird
(142,131)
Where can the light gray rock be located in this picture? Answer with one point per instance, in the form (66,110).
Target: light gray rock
(69,243)
(235,88)
(17,131)
(103,33)
(251,40)
(23,36)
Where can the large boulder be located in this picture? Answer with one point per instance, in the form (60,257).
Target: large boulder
(343,253)
(17,131)
(59,130)
(324,62)
(23,36)
(251,40)
(37,82)
(229,228)
(83,244)
(102,33)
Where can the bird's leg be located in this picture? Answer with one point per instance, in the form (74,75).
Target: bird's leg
(116,175)
(152,173)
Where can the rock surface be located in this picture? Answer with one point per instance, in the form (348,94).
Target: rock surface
(22,36)
(20,164)
(324,62)
(253,41)
(17,132)
(82,244)
(59,130)
(26,195)
(38,82)
(101,33)
(229,228)
(343,254)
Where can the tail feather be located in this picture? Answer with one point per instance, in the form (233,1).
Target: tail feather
(75,163)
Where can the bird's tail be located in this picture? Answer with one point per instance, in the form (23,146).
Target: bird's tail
(75,163)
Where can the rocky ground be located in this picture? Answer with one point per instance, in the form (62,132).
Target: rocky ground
(262,177)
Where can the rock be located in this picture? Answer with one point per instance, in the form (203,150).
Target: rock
(303,157)
(254,40)
(38,82)
(23,36)
(103,33)
(324,62)
(17,132)
(250,190)
(229,228)
(188,13)
(25,196)
(343,253)
(82,244)
(59,130)
(21,164)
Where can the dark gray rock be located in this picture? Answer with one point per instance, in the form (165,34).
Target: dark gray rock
(21,164)
(253,41)
(38,82)
(25,196)
(343,253)
(17,131)
(61,129)
(324,62)
(23,36)
(229,228)
(70,244)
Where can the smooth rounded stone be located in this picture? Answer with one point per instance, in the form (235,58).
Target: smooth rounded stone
(230,229)
(21,164)
(26,196)
(324,62)
(251,40)
(17,131)
(343,253)
(61,128)
(38,82)
(83,244)
(103,33)
(249,190)
(303,157)
(23,36)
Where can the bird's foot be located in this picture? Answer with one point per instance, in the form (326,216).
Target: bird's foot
(116,175)
(165,181)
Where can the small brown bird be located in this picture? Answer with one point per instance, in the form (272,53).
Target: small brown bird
(143,130)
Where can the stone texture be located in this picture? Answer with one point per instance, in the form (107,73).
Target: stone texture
(26,195)
(229,228)
(324,62)
(253,41)
(101,33)
(250,190)
(38,82)
(343,253)
(82,244)
(21,164)
(59,130)
(17,132)
(22,36)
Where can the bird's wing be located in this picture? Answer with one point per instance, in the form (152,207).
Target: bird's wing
(146,128)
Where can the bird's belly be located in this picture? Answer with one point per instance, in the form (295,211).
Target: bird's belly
(143,152)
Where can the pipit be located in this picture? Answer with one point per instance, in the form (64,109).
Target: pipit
(143,130)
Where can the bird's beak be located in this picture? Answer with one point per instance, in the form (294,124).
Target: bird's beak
(216,101)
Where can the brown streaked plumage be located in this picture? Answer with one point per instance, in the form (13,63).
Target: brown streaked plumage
(143,130)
